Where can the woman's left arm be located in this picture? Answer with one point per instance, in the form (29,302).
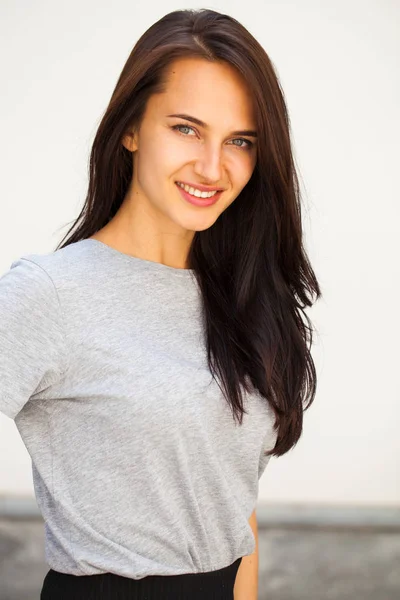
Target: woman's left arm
(246,582)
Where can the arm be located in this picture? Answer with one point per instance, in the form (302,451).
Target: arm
(246,583)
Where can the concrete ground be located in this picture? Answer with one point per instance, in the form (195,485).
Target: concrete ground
(309,563)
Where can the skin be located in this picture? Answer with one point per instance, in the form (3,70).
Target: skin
(154,222)
(246,582)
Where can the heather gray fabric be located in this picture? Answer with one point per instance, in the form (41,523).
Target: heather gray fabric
(138,466)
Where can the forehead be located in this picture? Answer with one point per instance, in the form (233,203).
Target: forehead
(212,91)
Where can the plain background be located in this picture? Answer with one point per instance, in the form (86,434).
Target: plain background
(338,63)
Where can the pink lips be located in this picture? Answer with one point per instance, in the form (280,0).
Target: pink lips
(199,201)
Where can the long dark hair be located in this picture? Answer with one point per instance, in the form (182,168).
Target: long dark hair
(251,266)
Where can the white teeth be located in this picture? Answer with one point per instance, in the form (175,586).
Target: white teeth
(195,192)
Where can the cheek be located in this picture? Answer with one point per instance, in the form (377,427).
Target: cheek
(180,154)
(157,153)
(241,169)
(157,160)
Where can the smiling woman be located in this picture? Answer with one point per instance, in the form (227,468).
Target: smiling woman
(167,151)
(158,358)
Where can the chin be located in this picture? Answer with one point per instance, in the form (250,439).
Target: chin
(199,224)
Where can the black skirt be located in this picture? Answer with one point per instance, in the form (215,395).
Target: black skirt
(213,585)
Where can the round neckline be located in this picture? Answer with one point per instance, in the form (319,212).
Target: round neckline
(148,263)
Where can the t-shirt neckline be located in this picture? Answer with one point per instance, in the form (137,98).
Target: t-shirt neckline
(156,266)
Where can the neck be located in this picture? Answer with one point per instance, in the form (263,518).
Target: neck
(137,231)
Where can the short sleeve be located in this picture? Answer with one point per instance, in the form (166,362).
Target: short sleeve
(32,340)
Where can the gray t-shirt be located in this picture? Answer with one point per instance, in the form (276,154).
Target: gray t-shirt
(138,465)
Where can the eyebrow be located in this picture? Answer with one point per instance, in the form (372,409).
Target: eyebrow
(248,132)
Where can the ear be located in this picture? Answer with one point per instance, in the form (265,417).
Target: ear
(129,141)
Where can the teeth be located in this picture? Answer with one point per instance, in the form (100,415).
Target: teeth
(194,192)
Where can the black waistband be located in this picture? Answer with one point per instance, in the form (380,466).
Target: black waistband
(213,585)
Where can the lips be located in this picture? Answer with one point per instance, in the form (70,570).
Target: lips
(202,188)
(198,201)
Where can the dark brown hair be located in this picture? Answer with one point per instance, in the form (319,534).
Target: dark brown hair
(251,266)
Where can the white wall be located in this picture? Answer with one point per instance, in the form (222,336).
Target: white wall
(338,64)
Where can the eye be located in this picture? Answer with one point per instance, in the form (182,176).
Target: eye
(248,142)
(179,127)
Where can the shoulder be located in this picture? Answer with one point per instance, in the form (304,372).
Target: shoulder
(47,270)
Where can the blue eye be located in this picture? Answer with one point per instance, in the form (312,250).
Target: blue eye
(179,127)
(249,144)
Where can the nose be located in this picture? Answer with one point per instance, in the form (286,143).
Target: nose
(209,164)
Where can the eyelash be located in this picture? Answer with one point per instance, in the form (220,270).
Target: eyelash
(248,142)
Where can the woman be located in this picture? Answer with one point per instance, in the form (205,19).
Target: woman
(161,346)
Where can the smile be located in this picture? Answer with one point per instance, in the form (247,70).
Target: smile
(195,192)
(197,197)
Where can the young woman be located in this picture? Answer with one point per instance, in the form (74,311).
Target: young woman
(157,358)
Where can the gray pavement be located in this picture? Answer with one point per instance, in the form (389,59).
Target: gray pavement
(307,563)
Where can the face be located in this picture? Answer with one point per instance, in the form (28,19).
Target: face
(212,145)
